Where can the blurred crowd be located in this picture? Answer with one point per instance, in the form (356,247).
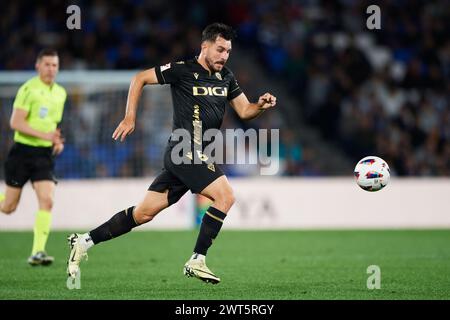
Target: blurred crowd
(382,92)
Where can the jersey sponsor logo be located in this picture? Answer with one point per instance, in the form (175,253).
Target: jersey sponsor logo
(210,91)
(43,112)
(165,67)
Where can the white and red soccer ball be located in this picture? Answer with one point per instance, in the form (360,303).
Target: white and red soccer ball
(372,173)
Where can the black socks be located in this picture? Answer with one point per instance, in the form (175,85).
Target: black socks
(119,224)
(123,221)
(211,223)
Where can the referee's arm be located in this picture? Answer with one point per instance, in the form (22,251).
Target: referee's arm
(19,123)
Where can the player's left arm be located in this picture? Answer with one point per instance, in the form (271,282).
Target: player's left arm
(247,110)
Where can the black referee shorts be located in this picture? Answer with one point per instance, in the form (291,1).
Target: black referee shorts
(179,178)
(29,163)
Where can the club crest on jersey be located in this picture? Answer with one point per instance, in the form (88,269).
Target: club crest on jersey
(195,75)
(210,91)
(43,112)
(219,76)
(211,167)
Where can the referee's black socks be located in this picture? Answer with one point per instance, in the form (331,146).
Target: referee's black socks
(211,223)
(122,222)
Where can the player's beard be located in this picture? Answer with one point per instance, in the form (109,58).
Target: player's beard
(211,65)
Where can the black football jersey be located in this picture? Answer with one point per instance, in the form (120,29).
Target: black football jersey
(199,96)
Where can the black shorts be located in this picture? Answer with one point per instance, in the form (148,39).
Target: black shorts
(179,178)
(28,163)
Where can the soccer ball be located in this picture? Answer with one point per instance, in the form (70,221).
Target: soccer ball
(372,173)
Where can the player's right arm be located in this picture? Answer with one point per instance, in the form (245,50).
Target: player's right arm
(19,123)
(126,126)
(169,73)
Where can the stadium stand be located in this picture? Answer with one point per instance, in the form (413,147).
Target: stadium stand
(381,92)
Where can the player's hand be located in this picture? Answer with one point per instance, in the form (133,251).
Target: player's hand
(125,127)
(58,148)
(267,101)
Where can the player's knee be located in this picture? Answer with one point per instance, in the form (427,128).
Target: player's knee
(225,200)
(143,218)
(8,208)
(231,199)
(145,214)
(46,203)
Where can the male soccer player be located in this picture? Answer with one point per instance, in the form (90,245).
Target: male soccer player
(200,89)
(37,110)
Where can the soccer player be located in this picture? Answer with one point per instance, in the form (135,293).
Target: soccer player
(37,110)
(200,90)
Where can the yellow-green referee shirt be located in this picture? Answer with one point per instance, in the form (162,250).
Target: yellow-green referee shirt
(45,106)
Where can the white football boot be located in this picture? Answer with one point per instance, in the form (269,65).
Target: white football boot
(197,268)
(77,253)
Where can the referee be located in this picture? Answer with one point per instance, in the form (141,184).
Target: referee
(37,110)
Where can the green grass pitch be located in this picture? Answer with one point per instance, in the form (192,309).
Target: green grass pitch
(415,264)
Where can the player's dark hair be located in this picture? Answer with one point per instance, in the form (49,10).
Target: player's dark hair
(47,52)
(214,30)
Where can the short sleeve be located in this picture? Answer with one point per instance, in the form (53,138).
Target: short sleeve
(233,88)
(169,73)
(23,100)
